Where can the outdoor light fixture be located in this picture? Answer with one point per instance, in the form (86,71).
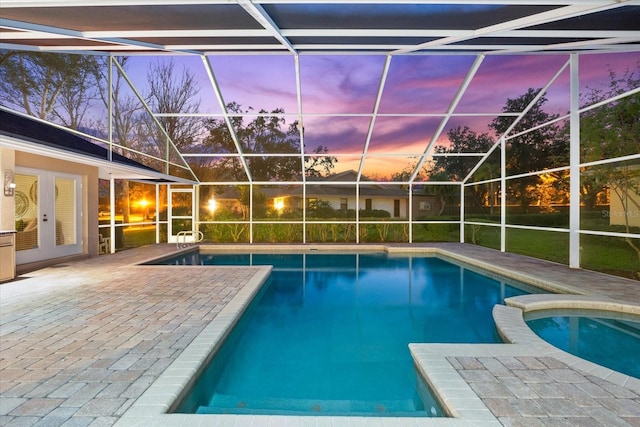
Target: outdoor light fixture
(9,183)
(278,204)
(211,205)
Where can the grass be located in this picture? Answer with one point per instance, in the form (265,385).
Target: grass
(551,246)
(134,237)
(610,255)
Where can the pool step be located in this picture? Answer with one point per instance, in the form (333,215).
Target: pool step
(228,404)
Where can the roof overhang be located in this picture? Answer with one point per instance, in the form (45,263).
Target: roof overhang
(106,169)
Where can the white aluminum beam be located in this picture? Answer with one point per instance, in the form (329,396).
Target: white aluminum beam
(523,113)
(574,163)
(259,14)
(540,18)
(454,103)
(169,142)
(376,107)
(227,120)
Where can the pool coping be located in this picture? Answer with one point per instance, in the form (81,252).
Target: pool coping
(459,401)
(511,325)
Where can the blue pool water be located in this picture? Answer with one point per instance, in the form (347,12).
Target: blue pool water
(607,342)
(329,334)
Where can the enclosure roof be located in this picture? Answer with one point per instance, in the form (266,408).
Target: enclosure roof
(320,26)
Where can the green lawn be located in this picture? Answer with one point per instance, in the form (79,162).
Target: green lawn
(600,253)
(134,237)
(606,254)
(610,255)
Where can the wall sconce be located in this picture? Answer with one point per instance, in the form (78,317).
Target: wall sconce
(9,183)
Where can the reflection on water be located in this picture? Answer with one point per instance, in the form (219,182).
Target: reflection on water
(329,334)
(614,343)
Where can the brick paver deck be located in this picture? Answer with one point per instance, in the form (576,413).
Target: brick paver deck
(541,391)
(81,341)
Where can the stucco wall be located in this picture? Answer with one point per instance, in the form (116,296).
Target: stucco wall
(7,203)
(380,203)
(617,212)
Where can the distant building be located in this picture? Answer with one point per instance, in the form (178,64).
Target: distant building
(618,215)
(339,195)
(338,192)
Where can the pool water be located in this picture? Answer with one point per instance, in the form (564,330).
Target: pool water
(607,342)
(329,334)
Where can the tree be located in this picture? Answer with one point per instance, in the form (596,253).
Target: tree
(77,96)
(218,140)
(463,140)
(5,55)
(405,174)
(126,107)
(169,93)
(609,132)
(456,168)
(533,150)
(536,149)
(263,138)
(612,130)
(126,120)
(36,82)
(175,97)
(321,163)
(446,193)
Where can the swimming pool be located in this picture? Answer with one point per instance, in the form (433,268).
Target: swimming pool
(594,336)
(328,335)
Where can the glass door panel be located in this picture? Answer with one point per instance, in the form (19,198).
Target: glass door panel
(27,212)
(66,218)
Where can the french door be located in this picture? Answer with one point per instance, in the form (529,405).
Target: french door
(48,215)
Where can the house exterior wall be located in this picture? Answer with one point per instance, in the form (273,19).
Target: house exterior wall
(425,206)
(386,204)
(617,212)
(379,203)
(334,201)
(7,203)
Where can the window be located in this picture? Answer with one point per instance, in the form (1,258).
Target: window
(278,204)
(396,208)
(343,204)
(312,203)
(368,205)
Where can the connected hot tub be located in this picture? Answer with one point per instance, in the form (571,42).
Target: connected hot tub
(602,337)
(595,335)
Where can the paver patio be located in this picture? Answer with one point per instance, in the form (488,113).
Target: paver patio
(81,341)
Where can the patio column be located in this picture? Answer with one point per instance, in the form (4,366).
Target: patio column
(112,214)
(462,213)
(157,215)
(410,213)
(503,194)
(574,166)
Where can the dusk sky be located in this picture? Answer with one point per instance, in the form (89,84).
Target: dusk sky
(347,85)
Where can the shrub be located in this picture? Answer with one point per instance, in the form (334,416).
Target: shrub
(374,213)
